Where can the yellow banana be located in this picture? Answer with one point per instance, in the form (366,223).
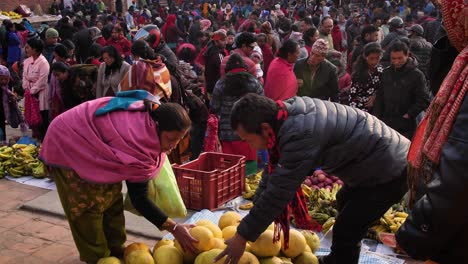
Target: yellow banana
(248,195)
(401,214)
(246,206)
(19,146)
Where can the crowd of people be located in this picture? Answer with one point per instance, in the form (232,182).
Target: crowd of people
(354,78)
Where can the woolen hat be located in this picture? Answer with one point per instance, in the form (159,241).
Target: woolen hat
(51,33)
(321,47)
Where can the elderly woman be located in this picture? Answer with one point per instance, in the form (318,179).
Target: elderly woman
(237,83)
(111,72)
(35,76)
(110,140)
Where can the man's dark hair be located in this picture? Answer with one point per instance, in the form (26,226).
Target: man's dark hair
(368,30)
(251,111)
(36,44)
(325,18)
(308,21)
(398,46)
(246,38)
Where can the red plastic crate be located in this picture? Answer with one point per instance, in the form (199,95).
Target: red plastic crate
(211,180)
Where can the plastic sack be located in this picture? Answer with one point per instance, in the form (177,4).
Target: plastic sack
(27,141)
(164,192)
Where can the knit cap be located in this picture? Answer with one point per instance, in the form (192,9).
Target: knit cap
(32,35)
(51,33)
(320,47)
(4,71)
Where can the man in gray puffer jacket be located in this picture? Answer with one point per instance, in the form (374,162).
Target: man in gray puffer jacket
(367,155)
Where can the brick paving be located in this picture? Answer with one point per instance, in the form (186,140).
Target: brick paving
(28,237)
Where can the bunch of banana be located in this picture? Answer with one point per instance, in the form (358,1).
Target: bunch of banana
(21,160)
(251,185)
(38,169)
(11,14)
(322,204)
(393,220)
(6,153)
(374,231)
(389,222)
(328,224)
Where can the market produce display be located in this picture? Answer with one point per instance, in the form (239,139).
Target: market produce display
(11,14)
(210,244)
(390,222)
(21,160)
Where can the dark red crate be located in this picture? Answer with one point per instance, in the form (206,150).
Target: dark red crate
(211,180)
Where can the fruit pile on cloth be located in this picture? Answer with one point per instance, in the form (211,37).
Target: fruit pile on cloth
(213,228)
(21,160)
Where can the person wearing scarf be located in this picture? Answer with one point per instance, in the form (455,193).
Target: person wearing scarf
(302,134)
(110,140)
(437,227)
(148,72)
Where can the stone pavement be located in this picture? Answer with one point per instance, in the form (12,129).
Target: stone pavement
(27,237)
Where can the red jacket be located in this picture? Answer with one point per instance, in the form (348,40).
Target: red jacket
(337,38)
(122,45)
(267,57)
(281,82)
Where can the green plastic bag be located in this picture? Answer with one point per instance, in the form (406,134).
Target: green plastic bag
(164,192)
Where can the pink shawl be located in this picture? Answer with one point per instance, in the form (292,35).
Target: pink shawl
(118,146)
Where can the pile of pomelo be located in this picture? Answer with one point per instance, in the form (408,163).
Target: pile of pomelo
(211,237)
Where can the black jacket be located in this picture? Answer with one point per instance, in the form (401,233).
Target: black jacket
(402,91)
(347,142)
(421,49)
(437,227)
(325,83)
(213,58)
(82,40)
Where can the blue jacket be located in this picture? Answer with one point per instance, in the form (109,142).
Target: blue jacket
(14,50)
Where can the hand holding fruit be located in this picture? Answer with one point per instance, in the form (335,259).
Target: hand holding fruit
(182,234)
(234,250)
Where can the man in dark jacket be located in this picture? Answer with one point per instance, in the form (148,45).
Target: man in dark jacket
(396,31)
(303,134)
(420,48)
(403,93)
(353,30)
(214,55)
(316,76)
(369,34)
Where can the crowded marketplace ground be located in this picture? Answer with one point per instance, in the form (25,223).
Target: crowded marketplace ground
(242,131)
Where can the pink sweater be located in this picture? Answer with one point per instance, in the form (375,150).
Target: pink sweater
(281,82)
(35,78)
(118,146)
